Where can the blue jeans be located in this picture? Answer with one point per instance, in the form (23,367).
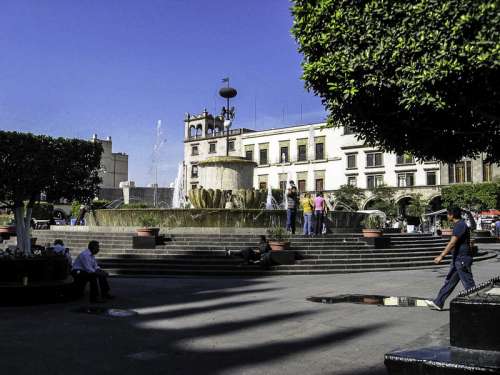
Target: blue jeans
(460,270)
(308,224)
(291,214)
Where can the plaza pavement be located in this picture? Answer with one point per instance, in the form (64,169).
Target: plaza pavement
(229,326)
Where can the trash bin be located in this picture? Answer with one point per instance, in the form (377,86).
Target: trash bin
(72,222)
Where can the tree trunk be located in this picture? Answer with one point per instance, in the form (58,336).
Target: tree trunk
(23,230)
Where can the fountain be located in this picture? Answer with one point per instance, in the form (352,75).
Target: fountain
(178,198)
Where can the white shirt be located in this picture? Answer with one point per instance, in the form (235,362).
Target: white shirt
(85,261)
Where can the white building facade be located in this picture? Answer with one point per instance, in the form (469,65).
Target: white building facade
(322,159)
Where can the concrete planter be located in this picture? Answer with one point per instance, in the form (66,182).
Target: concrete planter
(372,233)
(447,232)
(279,245)
(148,232)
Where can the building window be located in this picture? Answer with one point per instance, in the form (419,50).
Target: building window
(302,153)
(431,178)
(320,151)
(406,179)
(372,181)
(284,154)
(460,172)
(263,185)
(231,145)
(487,172)
(351,161)
(249,155)
(374,159)
(211,148)
(405,159)
(301,185)
(348,130)
(193,186)
(194,171)
(319,184)
(194,150)
(263,157)
(352,180)
(282,185)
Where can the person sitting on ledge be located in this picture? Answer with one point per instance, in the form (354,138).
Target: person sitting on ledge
(85,269)
(253,256)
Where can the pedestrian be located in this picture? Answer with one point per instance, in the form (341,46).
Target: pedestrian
(460,268)
(85,270)
(61,250)
(291,212)
(497,227)
(307,205)
(319,213)
(251,255)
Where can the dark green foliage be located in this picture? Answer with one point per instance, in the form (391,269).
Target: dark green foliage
(418,76)
(349,195)
(417,207)
(134,205)
(60,168)
(43,211)
(472,196)
(99,204)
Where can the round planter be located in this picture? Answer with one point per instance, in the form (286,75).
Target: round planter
(8,229)
(447,232)
(279,245)
(371,233)
(148,232)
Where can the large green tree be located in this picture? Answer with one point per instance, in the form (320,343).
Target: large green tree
(32,165)
(418,76)
(350,196)
(475,197)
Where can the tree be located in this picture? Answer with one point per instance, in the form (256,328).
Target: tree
(419,76)
(383,200)
(417,206)
(350,196)
(473,197)
(32,165)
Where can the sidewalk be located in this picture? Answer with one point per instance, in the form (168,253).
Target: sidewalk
(229,326)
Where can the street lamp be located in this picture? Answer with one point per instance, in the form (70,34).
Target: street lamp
(227,111)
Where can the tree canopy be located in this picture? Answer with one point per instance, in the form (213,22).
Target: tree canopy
(350,196)
(32,165)
(418,76)
(475,197)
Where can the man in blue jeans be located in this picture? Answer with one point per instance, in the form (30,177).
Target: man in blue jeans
(291,211)
(460,268)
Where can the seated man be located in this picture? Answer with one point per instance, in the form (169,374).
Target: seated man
(60,249)
(85,269)
(251,256)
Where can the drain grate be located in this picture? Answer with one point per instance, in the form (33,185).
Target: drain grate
(370,299)
(104,311)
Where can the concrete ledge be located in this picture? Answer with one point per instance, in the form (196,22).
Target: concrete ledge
(179,230)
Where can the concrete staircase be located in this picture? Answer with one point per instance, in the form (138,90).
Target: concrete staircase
(191,254)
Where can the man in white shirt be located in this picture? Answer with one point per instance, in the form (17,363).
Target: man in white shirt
(85,269)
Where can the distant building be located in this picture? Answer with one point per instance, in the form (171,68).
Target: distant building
(323,159)
(114,165)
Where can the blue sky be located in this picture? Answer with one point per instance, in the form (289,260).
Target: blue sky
(114,67)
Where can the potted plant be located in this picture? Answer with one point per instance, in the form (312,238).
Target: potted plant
(5,225)
(373,226)
(279,239)
(446,228)
(148,226)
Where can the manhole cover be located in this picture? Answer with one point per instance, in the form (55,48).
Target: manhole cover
(368,299)
(115,313)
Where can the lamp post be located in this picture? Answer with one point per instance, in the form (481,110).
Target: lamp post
(227,112)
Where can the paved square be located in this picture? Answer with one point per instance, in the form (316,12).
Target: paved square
(229,326)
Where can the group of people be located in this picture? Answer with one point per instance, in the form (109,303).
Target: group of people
(85,269)
(311,207)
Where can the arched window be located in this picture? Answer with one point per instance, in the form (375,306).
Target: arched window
(199,131)
(210,131)
(192,132)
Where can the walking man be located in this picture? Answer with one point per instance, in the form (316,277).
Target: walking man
(291,212)
(460,268)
